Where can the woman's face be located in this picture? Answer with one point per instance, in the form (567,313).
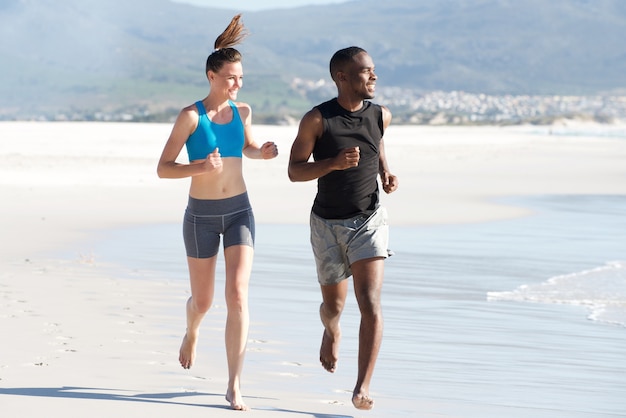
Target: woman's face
(228,80)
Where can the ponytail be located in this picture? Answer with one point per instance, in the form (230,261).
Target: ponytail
(224,52)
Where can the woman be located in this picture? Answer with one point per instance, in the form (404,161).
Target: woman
(216,132)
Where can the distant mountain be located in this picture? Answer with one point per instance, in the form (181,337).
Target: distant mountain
(89,56)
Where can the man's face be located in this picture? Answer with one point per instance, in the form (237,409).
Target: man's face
(360,76)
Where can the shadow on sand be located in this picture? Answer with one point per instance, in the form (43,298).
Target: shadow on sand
(75,392)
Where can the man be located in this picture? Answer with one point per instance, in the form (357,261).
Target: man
(349,231)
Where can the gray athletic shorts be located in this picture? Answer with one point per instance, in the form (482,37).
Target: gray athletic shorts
(337,243)
(206,220)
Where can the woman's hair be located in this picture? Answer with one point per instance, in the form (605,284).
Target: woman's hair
(224,51)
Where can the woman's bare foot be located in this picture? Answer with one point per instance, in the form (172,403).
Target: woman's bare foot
(236,401)
(187,354)
(361,401)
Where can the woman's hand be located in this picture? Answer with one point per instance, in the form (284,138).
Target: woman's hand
(269,150)
(213,161)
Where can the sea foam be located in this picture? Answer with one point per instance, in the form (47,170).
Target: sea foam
(602,290)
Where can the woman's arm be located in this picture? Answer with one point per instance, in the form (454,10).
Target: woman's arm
(167,167)
(250,148)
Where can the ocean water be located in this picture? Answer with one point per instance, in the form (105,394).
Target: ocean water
(522,317)
(592,130)
(600,289)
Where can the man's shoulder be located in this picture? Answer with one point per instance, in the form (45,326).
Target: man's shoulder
(327,106)
(370,104)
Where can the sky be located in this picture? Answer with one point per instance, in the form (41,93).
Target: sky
(255,5)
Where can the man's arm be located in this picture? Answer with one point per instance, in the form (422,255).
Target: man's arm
(388,180)
(300,168)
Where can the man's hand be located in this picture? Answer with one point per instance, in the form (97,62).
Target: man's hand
(347,158)
(389,182)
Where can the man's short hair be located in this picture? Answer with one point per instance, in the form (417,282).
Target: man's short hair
(343,57)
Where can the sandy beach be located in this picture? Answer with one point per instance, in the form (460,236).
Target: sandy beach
(78,340)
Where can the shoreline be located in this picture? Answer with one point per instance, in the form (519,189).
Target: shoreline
(84,336)
(440,169)
(135,318)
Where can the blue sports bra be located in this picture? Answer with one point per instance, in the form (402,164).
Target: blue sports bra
(228,137)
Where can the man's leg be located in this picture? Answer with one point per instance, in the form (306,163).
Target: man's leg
(368,280)
(334,299)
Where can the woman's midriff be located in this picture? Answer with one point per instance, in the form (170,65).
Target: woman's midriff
(222,185)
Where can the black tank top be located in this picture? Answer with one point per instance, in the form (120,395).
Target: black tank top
(347,193)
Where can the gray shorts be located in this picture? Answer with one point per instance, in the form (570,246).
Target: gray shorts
(337,243)
(206,220)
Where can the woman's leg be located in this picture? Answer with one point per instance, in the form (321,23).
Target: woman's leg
(238,267)
(202,280)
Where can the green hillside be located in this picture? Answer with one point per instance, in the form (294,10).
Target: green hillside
(86,56)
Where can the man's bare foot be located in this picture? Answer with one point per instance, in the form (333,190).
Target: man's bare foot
(329,351)
(362,402)
(187,354)
(236,401)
